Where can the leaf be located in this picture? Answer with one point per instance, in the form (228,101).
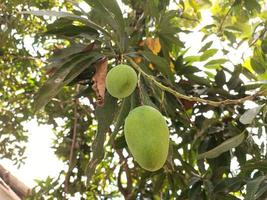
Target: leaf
(253,186)
(257,66)
(220,78)
(67,15)
(261,191)
(216,62)
(264,46)
(63,76)
(161,64)
(111,13)
(72,30)
(249,115)
(123,113)
(99,78)
(207,54)
(105,115)
(252,5)
(205,47)
(230,36)
(223,147)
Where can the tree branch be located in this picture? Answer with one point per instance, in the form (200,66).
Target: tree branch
(190,98)
(16,185)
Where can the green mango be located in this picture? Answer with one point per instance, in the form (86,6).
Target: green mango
(121,81)
(147,136)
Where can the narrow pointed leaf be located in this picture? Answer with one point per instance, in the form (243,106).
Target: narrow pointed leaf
(253,186)
(225,146)
(249,115)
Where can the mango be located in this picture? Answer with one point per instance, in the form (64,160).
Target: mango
(147,136)
(121,81)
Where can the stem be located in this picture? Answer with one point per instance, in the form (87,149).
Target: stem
(225,16)
(190,98)
(74,137)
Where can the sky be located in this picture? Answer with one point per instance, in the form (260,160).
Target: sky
(41,160)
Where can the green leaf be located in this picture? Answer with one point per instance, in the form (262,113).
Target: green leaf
(225,146)
(69,16)
(230,36)
(264,46)
(205,47)
(258,67)
(249,115)
(261,191)
(216,62)
(252,5)
(111,13)
(161,64)
(144,97)
(63,76)
(105,115)
(123,112)
(220,78)
(253,186)
(71,30)
(207,54)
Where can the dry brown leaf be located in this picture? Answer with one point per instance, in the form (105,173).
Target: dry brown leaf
(99,78)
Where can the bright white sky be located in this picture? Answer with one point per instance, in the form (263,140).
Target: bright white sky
(41,160)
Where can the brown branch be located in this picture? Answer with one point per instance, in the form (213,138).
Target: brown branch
(197,99)
(16,185)
(74,137)
(6,193)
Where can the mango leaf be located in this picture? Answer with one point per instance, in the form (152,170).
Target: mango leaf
(161,64)
(216,62)
(249,115)
(67,15)
(264,46)
(230,36)
(105,115)
(72,30)
(257,66)
(63,76)
(123,113)
(111,13)
(253,186)
(261,191)
(207,54)
(223,147)
(206,46)
(220,78)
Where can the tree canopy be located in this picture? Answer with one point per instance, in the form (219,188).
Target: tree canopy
(54,57)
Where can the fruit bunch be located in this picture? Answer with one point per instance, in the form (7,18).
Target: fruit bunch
(145,129)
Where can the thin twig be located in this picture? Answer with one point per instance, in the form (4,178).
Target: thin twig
(225,16)
(197,99)
(74,137)
(260,36)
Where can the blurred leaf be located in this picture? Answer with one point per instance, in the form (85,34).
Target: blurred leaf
(257,66)
(67,15)
(206,46)
(223,147)
(207,54)
(161,64)
(220,78)
(249,115)
(253,186)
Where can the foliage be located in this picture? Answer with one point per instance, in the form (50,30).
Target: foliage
(203,96)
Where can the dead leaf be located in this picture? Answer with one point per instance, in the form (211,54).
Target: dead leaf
(99,78)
